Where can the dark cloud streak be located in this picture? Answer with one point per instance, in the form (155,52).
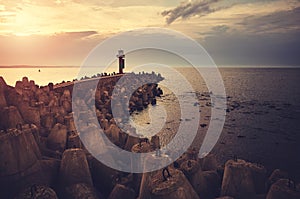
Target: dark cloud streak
(78,34)
(281,21)
(201,8)
(188,9)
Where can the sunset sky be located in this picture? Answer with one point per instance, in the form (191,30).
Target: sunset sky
(234,32)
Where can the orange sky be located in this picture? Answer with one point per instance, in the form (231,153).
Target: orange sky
(62,32)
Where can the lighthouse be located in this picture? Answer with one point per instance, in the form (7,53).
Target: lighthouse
(121,57)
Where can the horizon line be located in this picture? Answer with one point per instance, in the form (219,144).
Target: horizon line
(219,66)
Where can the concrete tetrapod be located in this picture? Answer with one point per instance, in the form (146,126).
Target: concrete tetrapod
(209,163)
(131,140)
(237,180)
(155,141)
(242,179)
(283,189)
(57,138)
(18,152)
(103,176)
(31,115)
(35,132)
(3,88)
(142,147)
(19,161)
(206,183)
(37,192)
(276,175)
(145,192)
(80,191)
(147,177)
(175,187)
(74,168)
(11,117)
(121,191)
(69,122)
(113,133)
(48,120)
(73,141)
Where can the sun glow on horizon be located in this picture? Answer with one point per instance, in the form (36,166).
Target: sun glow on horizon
(62,32)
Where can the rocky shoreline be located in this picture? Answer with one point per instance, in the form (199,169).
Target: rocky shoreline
(42,155)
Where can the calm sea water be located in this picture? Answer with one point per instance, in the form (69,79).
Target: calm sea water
(263,124)
(265,127)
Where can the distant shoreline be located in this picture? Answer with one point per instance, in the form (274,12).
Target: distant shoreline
(241,67)
(28,66)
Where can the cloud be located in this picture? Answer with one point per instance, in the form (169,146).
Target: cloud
(281,21)
(128,3)
(6,13)
(48,17)
(78,34)
(6,16)
(271,39)
(220,28)
(188,9)
(201,8)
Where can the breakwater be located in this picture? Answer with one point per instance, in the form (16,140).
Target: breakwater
(42,155)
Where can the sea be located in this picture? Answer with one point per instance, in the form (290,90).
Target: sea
(262,119)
